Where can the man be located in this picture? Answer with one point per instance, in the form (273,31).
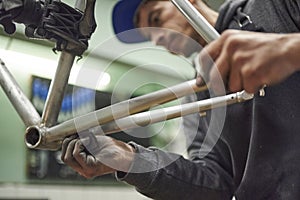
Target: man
(257,156)
(168,21)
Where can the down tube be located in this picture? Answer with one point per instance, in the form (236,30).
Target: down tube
(18,99)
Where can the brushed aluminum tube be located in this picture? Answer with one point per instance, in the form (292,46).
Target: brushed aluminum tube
(19,100)
(110,113)
(159,115)
(125,108)
(200,24)
(57,89)
(36,137)
(50,138)
(80,5)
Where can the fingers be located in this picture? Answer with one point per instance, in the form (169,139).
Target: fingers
(214,63)
(235,81)
(85,160)
(206,61)
(67,154)
(223,60)
(205,64)
(75,154)
(219,74)
(79,154)
(65,144)
(253,79)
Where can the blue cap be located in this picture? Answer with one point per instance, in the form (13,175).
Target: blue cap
(123,21)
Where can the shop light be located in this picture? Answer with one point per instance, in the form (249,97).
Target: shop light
(33,65)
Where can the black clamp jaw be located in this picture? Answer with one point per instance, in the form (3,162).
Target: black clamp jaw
(53,20)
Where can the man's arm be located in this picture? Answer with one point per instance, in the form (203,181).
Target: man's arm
(248,60)
(154,173)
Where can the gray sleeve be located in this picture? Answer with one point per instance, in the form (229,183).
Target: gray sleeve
(162,175)
(294,11)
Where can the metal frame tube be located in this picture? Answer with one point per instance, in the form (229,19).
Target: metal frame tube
(200,24)
(159,115)
(125,108)
(80,5)
(19,100)
(57,89)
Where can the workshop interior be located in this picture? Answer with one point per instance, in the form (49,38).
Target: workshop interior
(126,71)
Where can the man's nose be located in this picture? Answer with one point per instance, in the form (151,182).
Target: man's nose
(159,38)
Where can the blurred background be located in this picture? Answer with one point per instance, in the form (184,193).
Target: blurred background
(126,71)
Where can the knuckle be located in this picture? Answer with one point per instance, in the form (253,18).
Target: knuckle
(88,174)
(248,72)
(79,145)
(231,44)
(65,159)
(65,141)
(253,79)
(251,87)
(228,33)
(252,76)
(238,60)
(234,86)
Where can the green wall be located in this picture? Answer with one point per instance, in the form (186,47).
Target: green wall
(12,148)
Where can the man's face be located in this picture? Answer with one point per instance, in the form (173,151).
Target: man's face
(165,16)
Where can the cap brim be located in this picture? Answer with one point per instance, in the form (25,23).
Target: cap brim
(123,21)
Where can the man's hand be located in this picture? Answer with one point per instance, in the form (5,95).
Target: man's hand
(110,156)
(248,60)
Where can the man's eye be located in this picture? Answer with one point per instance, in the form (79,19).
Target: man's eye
(156,19)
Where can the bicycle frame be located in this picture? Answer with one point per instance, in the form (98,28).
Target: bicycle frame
(43,133)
